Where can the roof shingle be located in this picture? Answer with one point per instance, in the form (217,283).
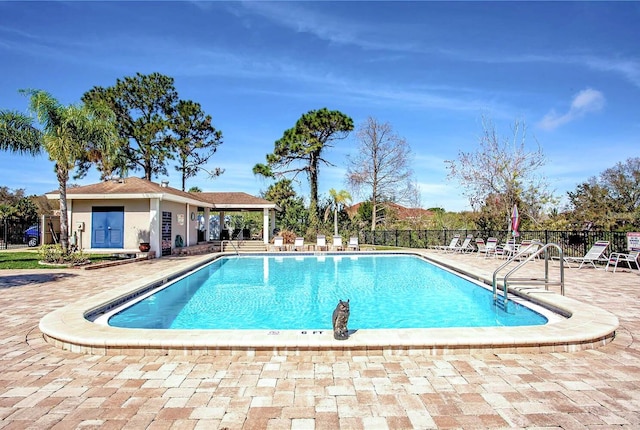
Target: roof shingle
(133,185)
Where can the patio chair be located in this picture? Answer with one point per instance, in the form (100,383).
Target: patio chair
(321,243)
(593,256)
(452,245)
(490,247)
(298,244)
(353,243)
(506,250)
(481,247)
(527,248)
(337,243)
(466,245)
(278,244)
(630,258)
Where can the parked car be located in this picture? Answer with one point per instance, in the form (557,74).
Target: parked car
(32,236)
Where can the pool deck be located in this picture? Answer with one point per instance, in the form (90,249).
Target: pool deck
(43,386)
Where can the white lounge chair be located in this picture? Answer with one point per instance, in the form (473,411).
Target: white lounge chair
(337,244)
(481,247)
(452,245)
(506,250)
(491,247)
(298,244)
(321,243)
(593,256)
(353,243)
(278,244)
(527,248)
(466,245)
(630,258)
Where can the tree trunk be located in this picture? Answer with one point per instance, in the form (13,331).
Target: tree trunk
(184,173)
(147,169)
(374,200)
(373,214)
(313,188)
(335,220)
(64,221)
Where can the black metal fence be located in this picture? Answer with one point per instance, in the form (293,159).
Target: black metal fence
(17,234)
(573,243)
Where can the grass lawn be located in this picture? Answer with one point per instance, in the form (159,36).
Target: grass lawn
(29,260)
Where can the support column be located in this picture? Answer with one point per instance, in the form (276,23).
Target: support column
(222,225)
(272,226)
(154,227)
(207,232)
(188,224)
(266,230)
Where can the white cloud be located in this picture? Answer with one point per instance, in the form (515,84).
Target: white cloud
(586,101)
(329,27)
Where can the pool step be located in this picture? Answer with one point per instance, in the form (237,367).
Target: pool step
(244,246)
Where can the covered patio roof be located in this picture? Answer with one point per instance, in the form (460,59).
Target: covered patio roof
(235,201)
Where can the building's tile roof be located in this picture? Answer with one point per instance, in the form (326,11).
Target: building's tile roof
(130,185)
(133,185)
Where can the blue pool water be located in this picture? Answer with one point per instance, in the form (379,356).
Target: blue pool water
(287,292)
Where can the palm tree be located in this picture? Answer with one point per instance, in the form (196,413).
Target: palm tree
(17,133)
(338,200)
(66,134)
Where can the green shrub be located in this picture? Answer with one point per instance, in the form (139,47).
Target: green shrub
(54,254)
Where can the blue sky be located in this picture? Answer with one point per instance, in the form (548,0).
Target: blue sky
(569,70)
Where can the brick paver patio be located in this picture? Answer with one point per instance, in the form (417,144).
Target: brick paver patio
(43,387)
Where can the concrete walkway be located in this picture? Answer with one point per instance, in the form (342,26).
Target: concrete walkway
(43,387)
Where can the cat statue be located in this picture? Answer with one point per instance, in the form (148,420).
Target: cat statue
(340,319)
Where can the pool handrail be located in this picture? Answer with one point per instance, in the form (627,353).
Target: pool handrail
(531,281)
(230,242)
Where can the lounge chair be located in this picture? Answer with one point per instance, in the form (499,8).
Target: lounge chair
(527,248)
(321,243)
(298,244)
(337,244)
(506,250)
(353,243)
(630,258)
(481,247)
(593,256)
(452,245)
(491,247)
(278,244)
(466,245)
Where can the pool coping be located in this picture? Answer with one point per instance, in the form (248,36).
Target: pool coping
(586,327)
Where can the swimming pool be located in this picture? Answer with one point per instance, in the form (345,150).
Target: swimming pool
(572,325)
(300,292)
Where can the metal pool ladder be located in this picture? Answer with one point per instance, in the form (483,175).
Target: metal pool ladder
(508,280)
(233,245)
